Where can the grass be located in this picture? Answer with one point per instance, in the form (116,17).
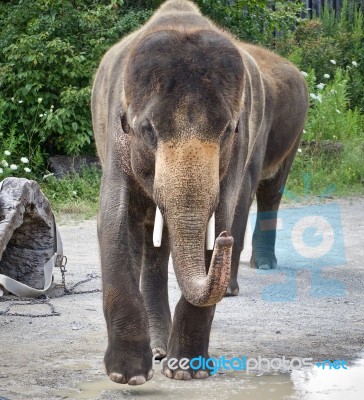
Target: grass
(76,196)
(338,175)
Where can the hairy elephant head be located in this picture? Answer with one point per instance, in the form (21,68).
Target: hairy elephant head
(182,96)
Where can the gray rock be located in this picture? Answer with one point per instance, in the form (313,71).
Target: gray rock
(27,231)
(66,165)
(328,147)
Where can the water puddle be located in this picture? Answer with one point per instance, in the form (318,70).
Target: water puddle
(309,384)
(330,384)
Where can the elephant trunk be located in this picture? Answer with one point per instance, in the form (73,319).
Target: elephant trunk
(186,189)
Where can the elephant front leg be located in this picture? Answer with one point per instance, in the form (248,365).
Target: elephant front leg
(154,287)
(128,357)
(189,338)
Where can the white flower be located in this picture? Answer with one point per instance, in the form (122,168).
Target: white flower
(1,170)
(13,167)
(24,160)
(333,62)
(40,100)
(338,111)
(327,76)
(7,152)
(305,74)
(4,163)
(304,131)
(48,175)
(316,97)
(41,115)
(354,63)
(299,150)
(52,106)
(13,99)
(74,193)
(320,86)
(20,101)
(26,169)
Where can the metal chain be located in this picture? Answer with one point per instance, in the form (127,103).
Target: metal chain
(63,270)
(71,290)
(45,299)
(27,302)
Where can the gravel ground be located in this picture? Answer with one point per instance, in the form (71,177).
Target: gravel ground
(60,356)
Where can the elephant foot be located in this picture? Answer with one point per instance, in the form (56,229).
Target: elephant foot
(188,343)
(233,288)
(183,372)
(159,352)
(129,363)
(265,262)
(135,380)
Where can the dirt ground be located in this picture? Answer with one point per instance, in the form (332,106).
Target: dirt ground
(54,357)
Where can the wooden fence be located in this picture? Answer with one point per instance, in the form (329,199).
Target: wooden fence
(315,7)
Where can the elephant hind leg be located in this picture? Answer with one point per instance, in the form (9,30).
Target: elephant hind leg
(269,195)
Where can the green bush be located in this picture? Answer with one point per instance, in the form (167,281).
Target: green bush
(49,51)
(341,169)
(329,116)
(332,37)
(256,21)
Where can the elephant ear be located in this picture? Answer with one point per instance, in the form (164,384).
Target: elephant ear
(122,146)
(121,129)
(254,104)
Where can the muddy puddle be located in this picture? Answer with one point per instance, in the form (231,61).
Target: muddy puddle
(310,384)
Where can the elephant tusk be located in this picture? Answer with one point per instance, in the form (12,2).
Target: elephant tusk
(158,228)
(210,236)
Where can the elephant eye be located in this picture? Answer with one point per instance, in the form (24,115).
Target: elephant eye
(148,133)
(124,123)
(228,131)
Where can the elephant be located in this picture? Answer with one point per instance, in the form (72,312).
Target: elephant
(191,123)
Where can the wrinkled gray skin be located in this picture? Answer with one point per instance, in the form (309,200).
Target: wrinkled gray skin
(190,120)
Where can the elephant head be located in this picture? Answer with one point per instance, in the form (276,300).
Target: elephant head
(181,102)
